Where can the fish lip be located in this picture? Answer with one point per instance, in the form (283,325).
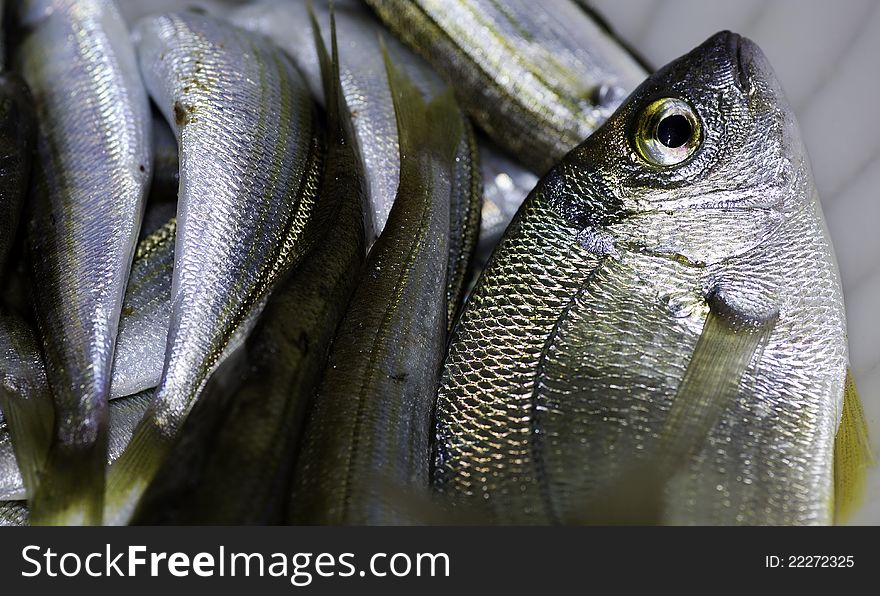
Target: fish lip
(744,51)
(734,44)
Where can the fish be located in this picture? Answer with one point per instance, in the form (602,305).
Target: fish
(250,162)
(665,300)
(27,409)
(13,513)
(368,431)
(368,96)
(538,78)
(91,178)
(236,452)
(17,135)
(146,315)
(124,414)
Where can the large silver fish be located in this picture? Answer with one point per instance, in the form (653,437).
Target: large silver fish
(538,77)
(91,176)
(249,166)
(368,97)
(663,321)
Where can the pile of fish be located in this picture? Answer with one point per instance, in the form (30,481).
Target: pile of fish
(409,262)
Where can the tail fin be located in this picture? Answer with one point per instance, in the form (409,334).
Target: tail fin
(852,454)
(434,126)
(338,117)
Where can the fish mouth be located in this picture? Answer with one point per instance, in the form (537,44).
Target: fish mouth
(746,58)
(741,56)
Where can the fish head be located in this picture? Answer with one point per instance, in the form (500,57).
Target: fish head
(703,160)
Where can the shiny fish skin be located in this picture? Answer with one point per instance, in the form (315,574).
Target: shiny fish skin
(249,164)
(572,347)
(235,457)
(91,176)
(368,97)
(537,77)
(124,415)
(368,431)
(27,408)
(17,128)
(13,513)
(146,315)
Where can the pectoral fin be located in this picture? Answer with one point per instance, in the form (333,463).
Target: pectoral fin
(852,454)
(731,340)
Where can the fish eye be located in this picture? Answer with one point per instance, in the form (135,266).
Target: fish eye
(667,132)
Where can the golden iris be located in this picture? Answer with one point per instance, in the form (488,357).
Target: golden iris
(667,132)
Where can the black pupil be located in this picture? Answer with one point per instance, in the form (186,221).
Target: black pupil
(674,131)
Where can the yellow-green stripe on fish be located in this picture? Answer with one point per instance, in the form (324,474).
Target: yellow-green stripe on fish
(250,160)
(91,175)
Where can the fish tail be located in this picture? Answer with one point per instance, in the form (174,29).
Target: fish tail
(329,63)
(71,487)
(135,469)
(30,425)
(422,127)
(852,454)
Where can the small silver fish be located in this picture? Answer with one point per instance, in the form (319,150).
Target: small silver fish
(369,428)
(91,178)
(146,315)
(250,160)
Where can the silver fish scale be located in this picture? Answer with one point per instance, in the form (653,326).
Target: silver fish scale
(504,329)
(91,178)
(600,395)
(246,129)
(13,513)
